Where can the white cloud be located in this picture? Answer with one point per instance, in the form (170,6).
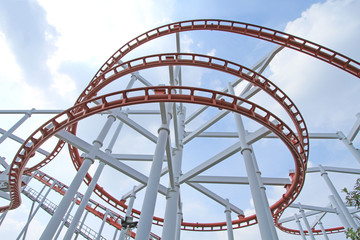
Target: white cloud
(325,95)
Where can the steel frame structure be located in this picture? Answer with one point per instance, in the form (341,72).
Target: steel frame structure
(171,99)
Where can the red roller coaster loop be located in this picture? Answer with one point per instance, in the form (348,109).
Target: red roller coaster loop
(112,70)
(144,95)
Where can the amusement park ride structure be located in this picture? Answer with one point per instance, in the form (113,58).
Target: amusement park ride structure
(172,168)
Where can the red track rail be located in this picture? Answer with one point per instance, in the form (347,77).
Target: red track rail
(142,96)
(201,61)
(277,37)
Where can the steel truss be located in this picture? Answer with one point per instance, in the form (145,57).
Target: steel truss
(172,138)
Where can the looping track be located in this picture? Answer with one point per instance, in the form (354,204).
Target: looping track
(112,70)
(143,96)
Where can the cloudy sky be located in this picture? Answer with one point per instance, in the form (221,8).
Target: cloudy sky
(49,51)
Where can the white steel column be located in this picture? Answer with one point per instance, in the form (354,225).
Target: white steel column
(66,216)
(173,195)
(300,227)
(75,184)
(338,199)
(102,224)
(2,217)
(339,212)
(178,222)
(91,187)
(81,224)
(16,125)
(148,207)
(262,211)
(229,221)
(301,210)
(323,230)
(128,213)
(30,214)
(172,202)
(355,152)
(35,211)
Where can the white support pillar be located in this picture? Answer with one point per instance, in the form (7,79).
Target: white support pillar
(66,200)
(30,214)
(263,193)
(355,152)
(91,187)
(102,224)
(37,208)
(342,218)
(16,125)
(266,224)
(148,207)
(128,213)
(323,230)
(302,233)
(229,221)
(338,199)
(306,222)
(173,195)
(178,222)
(66,217)
(81,224)
(75,184)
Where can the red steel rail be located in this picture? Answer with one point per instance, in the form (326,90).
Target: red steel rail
(163,94)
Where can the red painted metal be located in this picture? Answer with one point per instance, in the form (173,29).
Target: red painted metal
(143,96)
(284,39)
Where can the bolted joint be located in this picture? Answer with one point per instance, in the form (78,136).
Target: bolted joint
(246,148)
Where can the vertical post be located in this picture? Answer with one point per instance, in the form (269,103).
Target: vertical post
(178,222)
(355,152)
(263,193)
(323,230)
(66,200)
(339,212)
(81,224)
(16,125)
(148,207)
(31,213)
(128,213)
(102,224)
(300,227)
(91,187)
(301,210)
(338,199)
(173,194)
(66,216)
(37,208)
(228,221)
(262,211)
(75,184)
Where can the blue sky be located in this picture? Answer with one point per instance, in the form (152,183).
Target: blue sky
(51,49)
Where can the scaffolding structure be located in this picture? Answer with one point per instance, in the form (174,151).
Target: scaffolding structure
(177,119)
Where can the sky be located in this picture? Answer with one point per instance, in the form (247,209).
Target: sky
(50,50)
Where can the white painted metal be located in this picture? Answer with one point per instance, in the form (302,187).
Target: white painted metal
(65,219)
(147,210)
(228,221)
(338,199)
(302,233)
(355,152)
(306,222)
(341,215)
(262,209)
(323,230)
(16,125)
(355,129)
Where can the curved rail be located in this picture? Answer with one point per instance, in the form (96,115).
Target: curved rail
(302,45)
(162,94)
(201,61)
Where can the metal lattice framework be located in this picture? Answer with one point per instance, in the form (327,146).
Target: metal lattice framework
(64,126)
